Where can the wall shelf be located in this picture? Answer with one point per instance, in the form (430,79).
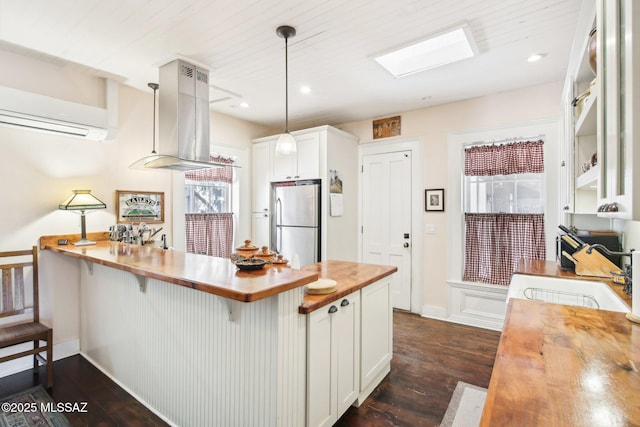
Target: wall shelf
(586,122)
(589,179)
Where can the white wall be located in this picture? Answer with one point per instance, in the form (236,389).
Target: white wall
(432,125)
(38,171)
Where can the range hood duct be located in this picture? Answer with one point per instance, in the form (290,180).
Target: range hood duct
(183,120)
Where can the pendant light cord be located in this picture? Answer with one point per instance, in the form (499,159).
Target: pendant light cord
(286,84)
(286,31)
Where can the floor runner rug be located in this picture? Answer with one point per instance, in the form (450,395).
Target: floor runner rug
(465,406)
(33,407)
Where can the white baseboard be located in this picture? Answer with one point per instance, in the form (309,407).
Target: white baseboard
(434,312)
(471,304)
(60,351)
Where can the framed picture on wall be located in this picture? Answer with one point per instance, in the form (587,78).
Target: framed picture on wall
(139,206)
(434,200)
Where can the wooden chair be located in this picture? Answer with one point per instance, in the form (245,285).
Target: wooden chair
(19,321)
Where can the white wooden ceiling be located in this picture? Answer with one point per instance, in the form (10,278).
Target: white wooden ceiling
(332,51)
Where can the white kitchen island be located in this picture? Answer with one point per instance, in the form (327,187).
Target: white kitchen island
(197,341)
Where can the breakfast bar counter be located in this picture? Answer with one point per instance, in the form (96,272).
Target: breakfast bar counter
(218,276)
(200,342)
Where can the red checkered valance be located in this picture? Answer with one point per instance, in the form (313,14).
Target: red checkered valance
(219,174)
(505,159)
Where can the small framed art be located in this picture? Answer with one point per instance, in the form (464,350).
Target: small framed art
(434,200)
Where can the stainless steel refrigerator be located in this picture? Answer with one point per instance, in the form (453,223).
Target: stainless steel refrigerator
(295,225)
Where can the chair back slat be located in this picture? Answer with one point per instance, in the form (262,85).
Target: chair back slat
(13,301)
(7,291)
(18,288)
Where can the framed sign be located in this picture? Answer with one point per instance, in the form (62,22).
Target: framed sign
(384,128)
(139,206)
(434,200)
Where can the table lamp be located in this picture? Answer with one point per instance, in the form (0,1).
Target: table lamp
(81,201)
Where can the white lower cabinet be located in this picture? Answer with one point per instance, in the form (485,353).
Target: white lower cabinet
(349,350)
(333,360)
(376,336)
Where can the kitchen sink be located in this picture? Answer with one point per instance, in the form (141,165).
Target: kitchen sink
(585,293)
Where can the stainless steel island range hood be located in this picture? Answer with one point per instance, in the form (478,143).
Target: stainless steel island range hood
(183,120)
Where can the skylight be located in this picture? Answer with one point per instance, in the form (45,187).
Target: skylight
(444,48)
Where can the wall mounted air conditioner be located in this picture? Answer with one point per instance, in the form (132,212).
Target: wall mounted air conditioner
(31,111)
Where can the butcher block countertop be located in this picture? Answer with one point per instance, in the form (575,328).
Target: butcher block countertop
(220,276)
(214,275)
(350,276)
(560,365)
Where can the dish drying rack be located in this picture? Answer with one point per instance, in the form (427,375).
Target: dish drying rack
(560,297)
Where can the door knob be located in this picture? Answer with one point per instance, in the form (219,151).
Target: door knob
(406,244)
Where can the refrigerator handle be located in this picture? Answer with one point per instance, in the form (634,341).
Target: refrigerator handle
(278,214)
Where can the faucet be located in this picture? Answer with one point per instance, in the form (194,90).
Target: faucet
(628,267)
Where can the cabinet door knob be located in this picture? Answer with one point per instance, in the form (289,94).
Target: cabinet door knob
(344,303)
(333,309)
(566,208)
(406,244)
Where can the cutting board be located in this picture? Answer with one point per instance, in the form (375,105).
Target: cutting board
(322,287)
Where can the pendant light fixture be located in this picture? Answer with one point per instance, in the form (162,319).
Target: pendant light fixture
(153,157)
(286,142)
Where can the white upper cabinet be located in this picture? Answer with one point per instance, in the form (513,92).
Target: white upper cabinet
(618,70)
(599,165)
(304,164)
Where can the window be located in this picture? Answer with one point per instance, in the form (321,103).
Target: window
(208,209)
(207,196)
(503,203)
(515,193)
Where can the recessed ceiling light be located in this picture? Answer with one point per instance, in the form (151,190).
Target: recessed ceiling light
(244,104)
(305,89)
(440,49)
(536,57)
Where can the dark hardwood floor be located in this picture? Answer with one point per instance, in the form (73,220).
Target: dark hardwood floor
(75,380)
(429,359)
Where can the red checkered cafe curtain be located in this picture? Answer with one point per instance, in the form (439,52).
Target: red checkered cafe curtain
(211,233)
(496,242)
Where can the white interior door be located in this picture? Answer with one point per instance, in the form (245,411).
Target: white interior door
(386,218)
